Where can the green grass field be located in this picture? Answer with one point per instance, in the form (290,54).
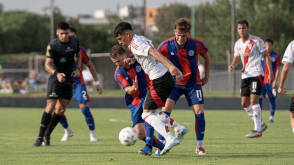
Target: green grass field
(225,141)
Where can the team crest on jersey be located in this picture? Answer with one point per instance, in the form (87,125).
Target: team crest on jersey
(172,53)
(138,68)
(273,59)
(249,46)
(126,78)
(63,60)
(191,53)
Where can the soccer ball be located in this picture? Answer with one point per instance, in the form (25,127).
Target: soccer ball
(128,136)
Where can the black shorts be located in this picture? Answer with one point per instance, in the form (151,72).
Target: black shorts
(58,90)
(252,85)
(292,105)
(159,91)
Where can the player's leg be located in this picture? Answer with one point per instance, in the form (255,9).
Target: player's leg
(272,94)
(67,130)
(90,120)
(262,96)
(46,118)
(291,111)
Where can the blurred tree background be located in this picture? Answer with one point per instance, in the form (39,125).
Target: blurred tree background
(24,32)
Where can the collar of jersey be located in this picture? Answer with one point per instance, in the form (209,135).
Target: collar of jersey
(178,46)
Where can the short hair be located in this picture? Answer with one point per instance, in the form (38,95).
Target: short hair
(71,29)
(243,21)
(120,28)
(183,24)
(63,26)
(116,50)
(270,41)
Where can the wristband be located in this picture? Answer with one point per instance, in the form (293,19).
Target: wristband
(97,83)
(55,73)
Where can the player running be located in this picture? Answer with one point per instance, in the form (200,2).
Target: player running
(183,51)
(270,88)
(161,81)
(79,91)
(60,52)
(250,49)
(287,61)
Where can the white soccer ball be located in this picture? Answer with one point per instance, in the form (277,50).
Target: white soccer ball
(128,136)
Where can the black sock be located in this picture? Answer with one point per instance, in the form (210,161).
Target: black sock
(46,118)
(149,146)
(54,121)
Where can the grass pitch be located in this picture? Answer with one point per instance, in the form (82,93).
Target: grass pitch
(225,141)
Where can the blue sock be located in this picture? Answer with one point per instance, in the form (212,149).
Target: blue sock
(63,121)
(199,126)
(260,103)
(149,130)
(161,138)
(89,118)
(156,143)
(272,106)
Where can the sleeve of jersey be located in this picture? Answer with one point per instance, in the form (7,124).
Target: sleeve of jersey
(236,51)
(139,48)
(288,56)
(261,46)
(120,79)
(50,53)
(162,48)
(201,48)
(85,57)
(278,60)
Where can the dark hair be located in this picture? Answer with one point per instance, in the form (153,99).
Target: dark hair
(116,50)
(243,21)
(120,28)
(269,40)
(183,24)
(63,26)
(71,29)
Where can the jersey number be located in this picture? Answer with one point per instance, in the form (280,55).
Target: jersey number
(199,95)
(85,95)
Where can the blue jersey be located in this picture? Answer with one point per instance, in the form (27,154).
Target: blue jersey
(275,60)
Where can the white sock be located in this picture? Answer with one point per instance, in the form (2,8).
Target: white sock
(271,117)
(93,132)
(67,130)
(249,110)
(158,125)
(293,130)
(257,117)
(168,121)
(199,143)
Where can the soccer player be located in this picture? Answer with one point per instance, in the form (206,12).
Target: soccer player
(60,52)
(161,81)
(79,91)
(287,61)
(270,89)
(183,51)
(250,49)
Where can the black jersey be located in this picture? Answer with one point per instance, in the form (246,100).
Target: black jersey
(63,54)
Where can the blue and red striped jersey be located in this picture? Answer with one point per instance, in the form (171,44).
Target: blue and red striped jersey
(184,58)
(85,60)
(125,77)
(275,60)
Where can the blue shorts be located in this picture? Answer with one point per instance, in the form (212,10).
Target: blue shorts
(136,114)
(80,93)
(271,92)
(193,94)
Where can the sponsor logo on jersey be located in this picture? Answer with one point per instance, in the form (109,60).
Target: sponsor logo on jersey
(69,49)
(53,95)
(172,53)
(62,59)
(47,52)
(138,68)
(191,53)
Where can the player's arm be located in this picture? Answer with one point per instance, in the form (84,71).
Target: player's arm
(49,68)
(172,69)
(94,74)
(234,63)
(269,66)
(284,76)
(76,73)
(132,89)
(206,60)
(274,85)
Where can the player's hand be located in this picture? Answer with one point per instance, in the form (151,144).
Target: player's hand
(135,83)
(282,91)
(176,72)
(61,77)
(231,67)
(99,89)
(75,73)
(129,61)
(274,84)
(204,81)
(270,78)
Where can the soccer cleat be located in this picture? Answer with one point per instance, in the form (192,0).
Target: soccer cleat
(46,141)
(38,142)
(254,134)
(66,136)
(180,135)
(271,120)
(157,152)
(263,127)
(145,151)
(170,144)
(200,151)
(93,137)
